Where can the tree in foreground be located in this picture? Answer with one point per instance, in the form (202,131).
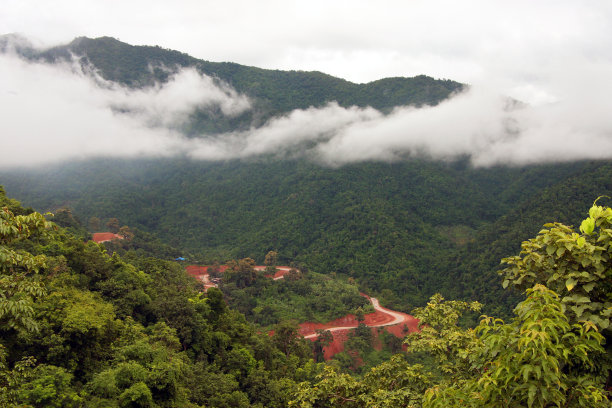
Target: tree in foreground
(550,355)
(538,360)
(20,286)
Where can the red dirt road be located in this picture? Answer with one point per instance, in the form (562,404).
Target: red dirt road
(202,273)
(381,317)
(397,323)
(281,271)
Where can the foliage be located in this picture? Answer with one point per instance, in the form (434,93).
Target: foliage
(242,273)
(49,386)
(392,384)
(384,225)
(545,357)
(20,284)
(578,267)
(109,331)
(104,331)
(323,339)
(440,336)
(538,360)
(302,297)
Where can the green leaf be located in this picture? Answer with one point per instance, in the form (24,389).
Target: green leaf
(579,310)
(576,299)
(589,286)
(570,283)
(587,226)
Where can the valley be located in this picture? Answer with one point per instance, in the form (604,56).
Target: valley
(441,244)
(396,323)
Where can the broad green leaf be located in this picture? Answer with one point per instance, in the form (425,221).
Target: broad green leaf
(587,226)
(576,299)
(589,286)
(570,283)
(595,211)
(579,310)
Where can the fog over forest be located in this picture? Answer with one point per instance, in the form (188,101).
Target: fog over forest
(64,112)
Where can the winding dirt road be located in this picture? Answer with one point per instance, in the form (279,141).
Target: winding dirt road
(395,318)
(395,322)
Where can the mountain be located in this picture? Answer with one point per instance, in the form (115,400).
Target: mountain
(273,92)
(403,230)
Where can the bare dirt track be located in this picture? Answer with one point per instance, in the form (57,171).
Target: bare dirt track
(397,323)
(203,273)
(381,317)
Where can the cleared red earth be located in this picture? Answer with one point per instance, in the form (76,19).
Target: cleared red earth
(397,323)
(100,237)
(203,273)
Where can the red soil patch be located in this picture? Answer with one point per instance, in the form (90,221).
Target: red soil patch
(340,328)
(340,337)
(337,345)
(309,328)
(203,273)
(382,318)
(197,270)
(100,237)
(280,273)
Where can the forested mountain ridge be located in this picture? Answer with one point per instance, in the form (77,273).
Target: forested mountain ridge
(273,92)
(81,327)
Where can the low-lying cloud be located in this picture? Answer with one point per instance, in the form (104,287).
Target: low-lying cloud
(52,113)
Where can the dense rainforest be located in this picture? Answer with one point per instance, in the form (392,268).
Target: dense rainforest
(403,230)
(123,325)
(81,327)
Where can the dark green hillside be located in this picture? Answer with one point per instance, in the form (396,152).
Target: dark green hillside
(564,201)
(79,328)
(403,230)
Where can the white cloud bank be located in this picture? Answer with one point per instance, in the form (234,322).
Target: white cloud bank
(51,113)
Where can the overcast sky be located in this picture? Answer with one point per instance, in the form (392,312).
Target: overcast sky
(357,40)
(554,55)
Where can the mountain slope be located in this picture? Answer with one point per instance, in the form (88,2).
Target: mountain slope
(403,230)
